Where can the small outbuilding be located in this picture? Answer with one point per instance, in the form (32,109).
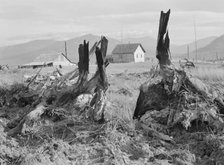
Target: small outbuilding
(124,53)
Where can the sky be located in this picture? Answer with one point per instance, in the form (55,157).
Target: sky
(24,20)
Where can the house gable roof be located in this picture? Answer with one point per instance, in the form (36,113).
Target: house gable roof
(126,48)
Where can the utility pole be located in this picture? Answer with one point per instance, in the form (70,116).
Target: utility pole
(66,49)
(196,46)
(121,34)
(188,52)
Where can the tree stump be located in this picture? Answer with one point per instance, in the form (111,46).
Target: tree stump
(85,94)
(175,94)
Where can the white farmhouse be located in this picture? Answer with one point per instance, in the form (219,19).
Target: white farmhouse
(123,53)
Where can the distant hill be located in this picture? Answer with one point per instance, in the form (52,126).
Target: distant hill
(181,50)
(213,50)
(16,54)
(27,52)
(149,45)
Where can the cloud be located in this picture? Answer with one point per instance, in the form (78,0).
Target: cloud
(110,17)
(181,25)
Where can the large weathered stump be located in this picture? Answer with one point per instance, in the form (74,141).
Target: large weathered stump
(152,94)
(84,95)
(172,96)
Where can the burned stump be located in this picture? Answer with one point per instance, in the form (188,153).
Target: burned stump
(172,96)
(86,96)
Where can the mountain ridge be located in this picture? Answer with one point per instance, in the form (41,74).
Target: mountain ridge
(27,52)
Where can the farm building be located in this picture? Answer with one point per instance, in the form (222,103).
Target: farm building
(132,52)
(48,60)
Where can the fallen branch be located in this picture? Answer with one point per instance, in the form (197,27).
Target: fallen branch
(34,77)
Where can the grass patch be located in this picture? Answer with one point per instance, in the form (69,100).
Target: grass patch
(208,74)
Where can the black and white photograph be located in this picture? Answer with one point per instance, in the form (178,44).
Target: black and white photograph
(111,82)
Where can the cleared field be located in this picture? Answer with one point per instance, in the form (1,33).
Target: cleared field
(203,71)
(117,141)
(123,78)
(208,73)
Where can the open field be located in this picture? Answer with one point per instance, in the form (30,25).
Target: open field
(127,77)
(203,71)
(120,141)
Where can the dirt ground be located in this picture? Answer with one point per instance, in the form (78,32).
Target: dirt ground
(117,141)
